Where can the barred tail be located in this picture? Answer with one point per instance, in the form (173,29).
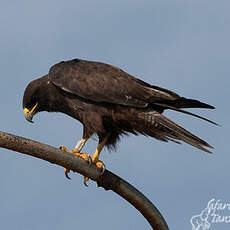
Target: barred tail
(162,128)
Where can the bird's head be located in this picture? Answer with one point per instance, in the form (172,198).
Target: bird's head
(33,98)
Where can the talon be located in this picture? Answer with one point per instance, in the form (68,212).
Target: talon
(90,160)
(85,156)
(103,169)
(63,148)
(101,166)
(67,171)
(85,180)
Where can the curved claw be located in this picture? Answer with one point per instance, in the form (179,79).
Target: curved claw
(63,148)
(103,169)
(101,166)
(85,180)
(84,156)
(90,160)
(67,173)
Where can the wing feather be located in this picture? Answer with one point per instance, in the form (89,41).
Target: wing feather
(100,82)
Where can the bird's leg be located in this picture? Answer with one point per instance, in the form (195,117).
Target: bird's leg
(95,157)
(80,144)
(76,151)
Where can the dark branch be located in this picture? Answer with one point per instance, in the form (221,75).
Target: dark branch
(108,180)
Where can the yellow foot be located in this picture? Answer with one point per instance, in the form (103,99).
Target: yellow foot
(99,164)
(84,156)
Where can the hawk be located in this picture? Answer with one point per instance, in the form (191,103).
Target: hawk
(110,103)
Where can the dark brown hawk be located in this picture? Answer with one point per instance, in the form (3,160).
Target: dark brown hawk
(110,103)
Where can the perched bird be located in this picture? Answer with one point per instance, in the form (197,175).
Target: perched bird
(110,103)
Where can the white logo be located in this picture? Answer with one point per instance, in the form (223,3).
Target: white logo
(216,212)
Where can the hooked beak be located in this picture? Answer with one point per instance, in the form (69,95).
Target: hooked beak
(30,113)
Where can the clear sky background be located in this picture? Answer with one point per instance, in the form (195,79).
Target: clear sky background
(179,45)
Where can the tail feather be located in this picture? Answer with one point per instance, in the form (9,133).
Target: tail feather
(186,112)
(191,103)
(166,129)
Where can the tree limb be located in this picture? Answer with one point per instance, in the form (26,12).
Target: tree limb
(108,180)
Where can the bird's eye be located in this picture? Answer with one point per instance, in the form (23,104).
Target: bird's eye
(33,101)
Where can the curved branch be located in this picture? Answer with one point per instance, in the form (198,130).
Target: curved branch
(108,180)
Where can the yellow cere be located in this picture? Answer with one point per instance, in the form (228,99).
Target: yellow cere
(27,111)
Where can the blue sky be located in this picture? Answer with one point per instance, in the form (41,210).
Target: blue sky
(179,45)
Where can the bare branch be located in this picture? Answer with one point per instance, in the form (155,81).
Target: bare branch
(108,180)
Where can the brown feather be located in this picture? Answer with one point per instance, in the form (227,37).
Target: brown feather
(107,100)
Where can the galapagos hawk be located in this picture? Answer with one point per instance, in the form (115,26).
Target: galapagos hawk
(109,102)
